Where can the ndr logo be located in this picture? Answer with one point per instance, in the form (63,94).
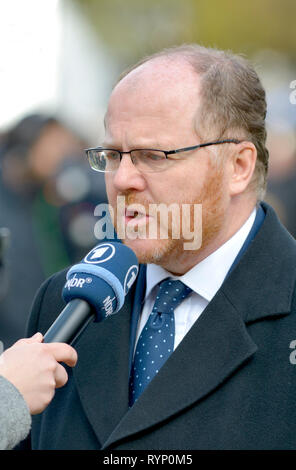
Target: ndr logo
(77,282)
(100,254)
(108,305)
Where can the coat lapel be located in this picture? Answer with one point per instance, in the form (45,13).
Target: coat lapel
(105,354)
(102,369)
(136,310)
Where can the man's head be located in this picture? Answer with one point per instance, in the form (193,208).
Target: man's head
(178,98)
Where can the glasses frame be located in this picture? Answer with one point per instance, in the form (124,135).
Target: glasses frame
(166,152)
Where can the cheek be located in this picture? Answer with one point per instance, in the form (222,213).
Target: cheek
(110,190)
(178,188)
(184,183)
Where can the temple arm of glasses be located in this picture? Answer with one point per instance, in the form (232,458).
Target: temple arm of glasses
(186,149)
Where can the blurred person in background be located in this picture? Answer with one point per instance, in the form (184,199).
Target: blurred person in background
(47,201)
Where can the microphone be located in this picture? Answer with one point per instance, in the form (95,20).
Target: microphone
(94,290)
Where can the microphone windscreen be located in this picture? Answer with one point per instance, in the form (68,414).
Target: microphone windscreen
(103,278)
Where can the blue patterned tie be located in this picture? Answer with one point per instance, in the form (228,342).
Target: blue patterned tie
(156,341)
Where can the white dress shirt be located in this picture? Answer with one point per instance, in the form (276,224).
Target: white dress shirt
(204,279)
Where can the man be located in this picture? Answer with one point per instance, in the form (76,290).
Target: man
(29,374)
(213,370)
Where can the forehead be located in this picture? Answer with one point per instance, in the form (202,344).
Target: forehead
(158,94)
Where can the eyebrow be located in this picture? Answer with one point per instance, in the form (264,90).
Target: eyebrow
(154,145)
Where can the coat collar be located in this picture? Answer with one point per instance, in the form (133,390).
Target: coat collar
(260,285)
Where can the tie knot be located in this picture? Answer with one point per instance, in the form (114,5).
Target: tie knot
(170,295)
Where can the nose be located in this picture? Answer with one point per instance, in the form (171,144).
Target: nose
(128,177)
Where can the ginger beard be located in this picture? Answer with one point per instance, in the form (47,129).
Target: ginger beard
(159,251)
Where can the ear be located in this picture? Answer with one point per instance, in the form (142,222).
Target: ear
(242,166)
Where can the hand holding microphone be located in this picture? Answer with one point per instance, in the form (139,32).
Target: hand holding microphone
(95,288)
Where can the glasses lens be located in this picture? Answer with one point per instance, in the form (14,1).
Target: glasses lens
(149,160)
(104,160)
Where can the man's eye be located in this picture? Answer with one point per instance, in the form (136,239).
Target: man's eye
(113,156)
(110,155)
(154,156)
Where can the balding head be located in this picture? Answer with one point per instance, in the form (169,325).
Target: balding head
(159,82)
(166,71)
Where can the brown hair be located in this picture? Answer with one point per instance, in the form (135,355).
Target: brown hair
(233,99)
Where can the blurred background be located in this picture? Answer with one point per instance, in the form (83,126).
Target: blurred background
(58,62)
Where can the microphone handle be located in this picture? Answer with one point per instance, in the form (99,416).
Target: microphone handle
(70,323)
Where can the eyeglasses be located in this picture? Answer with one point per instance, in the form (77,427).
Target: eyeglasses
(146,160)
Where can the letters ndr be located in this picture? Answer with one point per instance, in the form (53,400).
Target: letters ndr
(75,282)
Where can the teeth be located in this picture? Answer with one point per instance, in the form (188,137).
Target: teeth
(133,213)
(130,213)
(136,215)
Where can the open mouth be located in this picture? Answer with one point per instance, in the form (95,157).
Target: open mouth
(133,216)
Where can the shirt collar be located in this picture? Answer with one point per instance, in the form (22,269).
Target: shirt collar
(206,277)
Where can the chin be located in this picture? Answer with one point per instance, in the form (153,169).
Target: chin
(151,251)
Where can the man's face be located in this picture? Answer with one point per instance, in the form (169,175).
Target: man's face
(155,107)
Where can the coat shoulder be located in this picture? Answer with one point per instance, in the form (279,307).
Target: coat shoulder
(47,303)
